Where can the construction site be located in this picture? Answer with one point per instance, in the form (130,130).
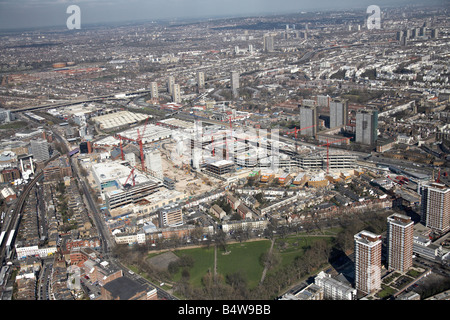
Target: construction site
(146,169)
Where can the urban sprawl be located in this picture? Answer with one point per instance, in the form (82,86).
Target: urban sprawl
(133,156)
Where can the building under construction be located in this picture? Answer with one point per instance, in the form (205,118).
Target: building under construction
(220,167)
(121,185)
(318,160)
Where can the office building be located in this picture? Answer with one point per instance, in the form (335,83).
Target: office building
(436,206)
(235,83)
(367,261)
(366,126)
(269,43)
(154,90)
(201,80)
(400,230)
(308,118)
(176,93)
(338,113)
(39,149)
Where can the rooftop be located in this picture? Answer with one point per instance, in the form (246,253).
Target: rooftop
(124,288)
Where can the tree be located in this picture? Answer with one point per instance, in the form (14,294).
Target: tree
(270,260)
(221,239)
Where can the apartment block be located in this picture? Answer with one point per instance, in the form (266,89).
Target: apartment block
(367,261)
(436,206)
(338,113)
(334,289)
(400,230)
(308,118)
(366,126)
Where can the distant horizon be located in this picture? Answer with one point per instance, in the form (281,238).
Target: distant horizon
(16,15)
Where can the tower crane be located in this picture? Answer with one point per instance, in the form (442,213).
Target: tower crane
(328,150)
(297,130)
(132,178)
(138,140)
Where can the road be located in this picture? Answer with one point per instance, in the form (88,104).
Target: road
(96,215)
(103,231)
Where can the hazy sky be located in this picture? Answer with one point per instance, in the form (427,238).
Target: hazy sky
(37,13)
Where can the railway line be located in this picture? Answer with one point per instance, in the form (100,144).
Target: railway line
(8,235)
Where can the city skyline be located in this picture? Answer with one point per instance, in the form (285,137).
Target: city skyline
(52,13)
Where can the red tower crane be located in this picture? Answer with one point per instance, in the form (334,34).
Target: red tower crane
(138,140)
(328,150)
(297,130)
(132,178)
(141,147)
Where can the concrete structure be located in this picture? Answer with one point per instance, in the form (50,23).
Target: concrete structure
(201,80)
(308,118)
(333,289)
(436,206)
(220,167)
(268,42)
(115,184)
(171,216)
(5,116)
(153,163)
(39,149)
(318,160)
(176,93)
(154,90)
(400,242)
(323,101)
(338,113)
(170,83)
(235,83)
(367,261)
(366,126)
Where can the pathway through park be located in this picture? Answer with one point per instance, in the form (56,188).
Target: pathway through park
(265,268)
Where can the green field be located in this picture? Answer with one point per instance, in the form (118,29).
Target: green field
(203,261)
(245,258)
(240,257)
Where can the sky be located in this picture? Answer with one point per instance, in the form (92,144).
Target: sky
(40,13)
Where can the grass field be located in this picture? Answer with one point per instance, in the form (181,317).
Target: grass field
(203,261)
(14,125)
(238,258)
(245,258)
